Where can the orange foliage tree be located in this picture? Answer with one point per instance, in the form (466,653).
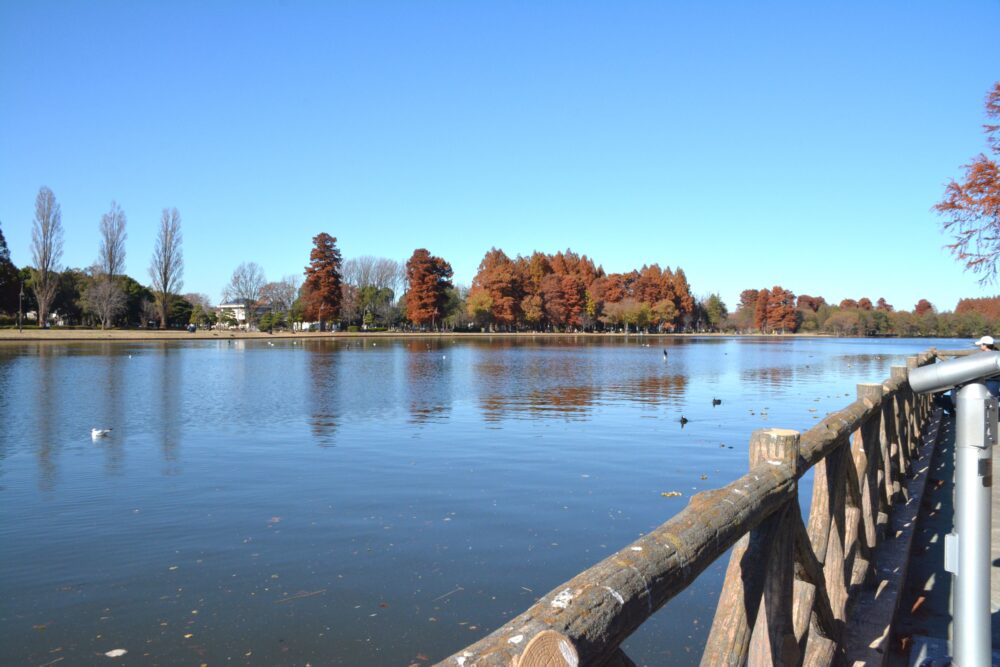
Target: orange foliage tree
(987,306)
(428,278)
(972,207)
(568,291)
(775,310)
(321,291)
(497,282)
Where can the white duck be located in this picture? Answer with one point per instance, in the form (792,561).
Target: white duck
(96,433)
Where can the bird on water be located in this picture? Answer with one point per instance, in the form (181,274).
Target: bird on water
(664,355)
(716,401)
(684,420)
(99,432)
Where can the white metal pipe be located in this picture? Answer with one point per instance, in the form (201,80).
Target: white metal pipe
(975,435)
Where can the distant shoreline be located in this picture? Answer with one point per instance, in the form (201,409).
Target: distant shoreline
(34,335)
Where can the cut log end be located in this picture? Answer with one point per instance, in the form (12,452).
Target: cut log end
(548,649)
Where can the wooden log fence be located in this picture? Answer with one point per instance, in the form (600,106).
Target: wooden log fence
(791,583)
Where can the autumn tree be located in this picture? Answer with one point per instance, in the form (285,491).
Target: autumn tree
(781,313)
(167,267)
(46,250)
(428,280)
(864,303)
(923,306)
(479,307)
(848,304)
(812,303)
(883,306)
(972,207)
(497,277)
(988,307)
(760,310)
(322,288)
(682,296)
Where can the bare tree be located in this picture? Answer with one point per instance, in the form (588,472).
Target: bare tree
(388,273)
(111,259)
(281,295)
(46,249)
(106,299)
(199,299)
(149,311)
(379,272)
(245,287)
(167,268)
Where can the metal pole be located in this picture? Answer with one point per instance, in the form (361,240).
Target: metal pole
(975,435)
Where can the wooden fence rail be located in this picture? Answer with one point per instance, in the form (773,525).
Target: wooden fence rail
(790,584)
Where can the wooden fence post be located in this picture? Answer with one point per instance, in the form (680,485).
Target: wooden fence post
(773,639)
(740,606)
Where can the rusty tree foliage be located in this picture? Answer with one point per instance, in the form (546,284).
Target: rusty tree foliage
(760,309)
(499,284)
(813,303)
(971,207)
(987,306)
(566,291)
(775,311)
(321,291)
(923,307)
(427,279)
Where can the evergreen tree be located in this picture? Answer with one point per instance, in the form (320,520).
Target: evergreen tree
(10,285)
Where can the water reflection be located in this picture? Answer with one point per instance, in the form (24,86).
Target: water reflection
(324,394)
(656,389)
(44,423)
(588,426)
(428,381)
(570,383)
(112,407)
(169,377)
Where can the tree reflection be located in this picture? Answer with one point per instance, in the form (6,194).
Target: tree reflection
(773,377)
(170,381)
(326,384)
(566,384)
(45,418)
(657,389)
(428,381)
(112,410)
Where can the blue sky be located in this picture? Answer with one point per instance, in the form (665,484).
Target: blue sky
(751,144)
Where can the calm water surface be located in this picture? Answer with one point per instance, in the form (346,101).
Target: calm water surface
(366,501)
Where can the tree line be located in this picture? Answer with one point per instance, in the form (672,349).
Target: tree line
(560,292)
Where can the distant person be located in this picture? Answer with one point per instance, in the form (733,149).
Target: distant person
(986,344)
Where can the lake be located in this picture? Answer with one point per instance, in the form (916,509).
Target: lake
(368,501)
